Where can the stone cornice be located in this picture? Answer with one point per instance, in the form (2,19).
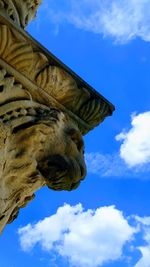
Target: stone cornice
(48,75)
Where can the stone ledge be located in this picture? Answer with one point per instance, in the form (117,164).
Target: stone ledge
(46,72)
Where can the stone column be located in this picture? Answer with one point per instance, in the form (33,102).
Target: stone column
(45,109)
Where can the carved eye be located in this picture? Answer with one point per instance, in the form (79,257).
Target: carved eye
(76,138)
(77,142)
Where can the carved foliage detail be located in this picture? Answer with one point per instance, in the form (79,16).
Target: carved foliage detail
(55,81)
(9,9)
(94,111)
(20,11)
(62,87)
(10,89)
(18,53)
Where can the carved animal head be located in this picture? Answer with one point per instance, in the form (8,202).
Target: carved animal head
(45,142)
(62,164)
(39,145)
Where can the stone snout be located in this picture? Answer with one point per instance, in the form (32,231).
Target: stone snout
(47,150)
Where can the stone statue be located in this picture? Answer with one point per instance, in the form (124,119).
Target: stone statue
(44,111)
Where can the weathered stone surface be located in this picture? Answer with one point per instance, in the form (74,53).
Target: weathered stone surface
(20,11)
(44,110)
(19,52)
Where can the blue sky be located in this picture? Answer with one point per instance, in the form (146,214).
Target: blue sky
(106,222)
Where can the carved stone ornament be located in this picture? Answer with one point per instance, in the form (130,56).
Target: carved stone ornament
(45,108)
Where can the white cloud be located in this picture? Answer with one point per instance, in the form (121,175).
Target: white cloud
(121,19)
(135,149)
(90,238)
(145,250)
(133,157)
(145,260)
(143,221)
(86,238)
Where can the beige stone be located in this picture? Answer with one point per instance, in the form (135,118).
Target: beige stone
(45,108)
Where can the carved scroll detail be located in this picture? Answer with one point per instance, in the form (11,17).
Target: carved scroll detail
(16,104)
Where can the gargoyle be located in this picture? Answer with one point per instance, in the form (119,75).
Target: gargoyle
(40,146)
(45,108)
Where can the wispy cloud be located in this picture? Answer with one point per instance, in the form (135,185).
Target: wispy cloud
(90,238)
(111,165)
(123,20)
(133,158)
(106,165)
